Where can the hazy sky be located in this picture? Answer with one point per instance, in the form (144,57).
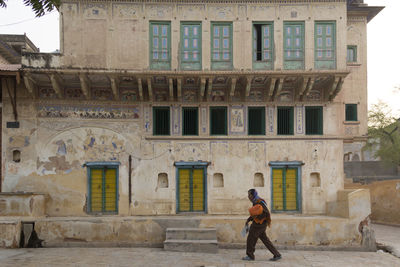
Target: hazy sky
(383,42)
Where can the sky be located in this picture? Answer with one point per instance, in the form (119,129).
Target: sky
(383,42)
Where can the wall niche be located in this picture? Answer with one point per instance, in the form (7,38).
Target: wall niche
(218,180)
(162,180)
(258,179)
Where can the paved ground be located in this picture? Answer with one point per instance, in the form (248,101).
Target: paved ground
(389,236)
(158,257)
(143,257)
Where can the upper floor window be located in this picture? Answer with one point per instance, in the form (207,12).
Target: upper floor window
(218,121)
(325,45)
(314,120)
(293,45)
(351,112)
(221,45)
(263,45)
(190,46)
(161,121)
(351,53)
(256,117)
(190,121)
(160,45)
(285,120)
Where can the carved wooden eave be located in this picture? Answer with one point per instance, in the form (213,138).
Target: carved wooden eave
(233,86)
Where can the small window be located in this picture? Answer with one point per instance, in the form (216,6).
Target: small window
(256,120)
(351,112)
(351,53)
(218,121)
(325,45)
(161,121)
(314,120)
(190,121)
(285,120)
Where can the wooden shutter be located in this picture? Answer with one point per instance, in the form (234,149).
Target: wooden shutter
(160,45)
(293,45)
(161,121)
(190,121)
(285,120)
(218,121)
(256,120)
(191,46)
(325,45)
(221,46)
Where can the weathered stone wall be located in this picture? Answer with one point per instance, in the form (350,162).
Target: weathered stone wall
(111,34)
(22,204)
(385,200)
(54,151)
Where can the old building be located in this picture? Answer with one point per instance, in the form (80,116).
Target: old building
(163,108)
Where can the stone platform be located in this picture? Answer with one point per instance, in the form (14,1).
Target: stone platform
(150,231)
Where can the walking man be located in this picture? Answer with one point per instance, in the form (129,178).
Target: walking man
(261,218)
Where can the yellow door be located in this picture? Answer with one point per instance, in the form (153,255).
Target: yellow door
(96,190)
(291,191)
(110,189)
(191,190)
(198,190)
(184,189)
(284,189)
(103,190)
(277,189)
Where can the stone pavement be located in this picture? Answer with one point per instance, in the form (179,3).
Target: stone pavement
(158,257)
(388,237)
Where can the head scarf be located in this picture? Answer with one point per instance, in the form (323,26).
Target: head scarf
(254,193)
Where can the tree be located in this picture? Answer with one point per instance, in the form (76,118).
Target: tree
(40,7)
(384,134)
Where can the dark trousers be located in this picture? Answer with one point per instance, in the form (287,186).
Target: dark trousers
(258,231)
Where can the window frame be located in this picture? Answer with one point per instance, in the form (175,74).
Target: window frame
(289,63)
(221,64)
(354,49)
(320,118)
(155,122)
(355,112)
(291,119)
(183,120)
(159,64)
(263,64)
(226,119)
(263,131)
(190,65)
(325,63)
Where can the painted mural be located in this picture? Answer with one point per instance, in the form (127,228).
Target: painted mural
(87,112)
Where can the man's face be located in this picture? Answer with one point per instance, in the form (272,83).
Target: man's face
(250,196)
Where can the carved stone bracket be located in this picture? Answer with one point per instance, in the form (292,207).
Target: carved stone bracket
(115,86)
(140,88)
(30,84)
(149,89)
(85,85)
(57,84)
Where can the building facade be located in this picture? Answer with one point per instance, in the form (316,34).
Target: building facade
(170,107)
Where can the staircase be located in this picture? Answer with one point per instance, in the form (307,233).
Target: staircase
(191,240)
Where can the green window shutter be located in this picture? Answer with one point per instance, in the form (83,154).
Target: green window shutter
(314,120)
(263,45)
(161,121)
(325,45)
(256,120)
(221,46)
(218,121)
(190,121)
(191,46)
(160,45)
(351,53)
(351,112)
(285,120)
(293,45)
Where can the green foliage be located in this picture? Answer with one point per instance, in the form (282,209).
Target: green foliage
(40,7)
(384,134)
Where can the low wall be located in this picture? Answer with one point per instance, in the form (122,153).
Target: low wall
(286,230)
(22,204)
(385,200)
(354,204)
(10,232)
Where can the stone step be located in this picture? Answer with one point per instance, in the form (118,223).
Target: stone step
(203,246)
(191,233)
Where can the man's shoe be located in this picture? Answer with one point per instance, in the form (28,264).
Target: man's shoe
(247,258)
(275,258)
